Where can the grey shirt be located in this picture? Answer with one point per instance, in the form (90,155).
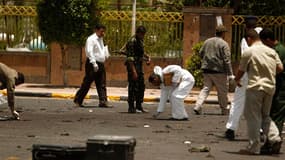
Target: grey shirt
(216,56)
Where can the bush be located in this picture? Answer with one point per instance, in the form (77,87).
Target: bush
(193,65)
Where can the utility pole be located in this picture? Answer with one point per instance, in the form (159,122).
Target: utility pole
(118,5)
(134,17)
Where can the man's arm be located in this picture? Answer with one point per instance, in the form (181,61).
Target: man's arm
(11,94)
(238,77)
(147,58)
(279,68)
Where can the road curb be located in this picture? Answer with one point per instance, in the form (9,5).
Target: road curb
(111,97)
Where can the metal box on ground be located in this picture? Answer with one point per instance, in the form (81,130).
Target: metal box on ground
(108,147)
(58,152)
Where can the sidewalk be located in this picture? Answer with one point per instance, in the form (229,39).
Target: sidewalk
(114,93)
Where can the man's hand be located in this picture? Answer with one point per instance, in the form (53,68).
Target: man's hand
(134,75)
(231,77)
(96,68)
(148,61)
(238,82)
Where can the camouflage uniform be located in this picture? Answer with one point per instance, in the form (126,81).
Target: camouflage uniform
(136,88)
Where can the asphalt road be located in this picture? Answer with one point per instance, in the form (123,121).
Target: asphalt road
(58,122)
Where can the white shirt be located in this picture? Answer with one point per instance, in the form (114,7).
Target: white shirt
(95,49)
(179,73)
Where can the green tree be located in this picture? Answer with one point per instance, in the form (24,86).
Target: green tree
(193,65)
(244,7)
(262,7)
(66,22)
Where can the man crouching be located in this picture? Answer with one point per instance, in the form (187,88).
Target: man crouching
(9,78)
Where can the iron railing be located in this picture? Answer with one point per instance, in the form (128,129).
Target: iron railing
(18,29)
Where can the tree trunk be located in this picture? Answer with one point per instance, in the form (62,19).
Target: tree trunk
(63,63)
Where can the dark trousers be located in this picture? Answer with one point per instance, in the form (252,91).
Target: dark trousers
(136,90)
(98,77)
(277,111)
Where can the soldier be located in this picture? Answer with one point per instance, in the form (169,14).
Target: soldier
(135,54)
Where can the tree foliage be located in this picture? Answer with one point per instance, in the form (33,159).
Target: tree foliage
(262,7)
(193,65)
(66,21)
(244,7)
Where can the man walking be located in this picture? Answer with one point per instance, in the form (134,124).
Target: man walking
(261,64)
(237,104)
(96,54)
(277,111)
(216,66)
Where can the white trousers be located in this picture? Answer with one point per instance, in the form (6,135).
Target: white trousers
(2,99)
(176,96)
(237,105)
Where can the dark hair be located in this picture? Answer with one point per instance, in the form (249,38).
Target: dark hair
(141,29)
(20,79)
(99,26)
(251,33)
(267,33)
(250,21)
(152,77)
(219,34)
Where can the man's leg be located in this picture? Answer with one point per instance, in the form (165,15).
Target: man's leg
(273,143)
(204,93)
(253,116)
(85,85)
(177,99)
(131,96)
(100,81)
(236,110)
(221,83)
(139,95)
(83,90)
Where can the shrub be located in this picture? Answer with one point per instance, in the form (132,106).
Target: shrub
(193,65)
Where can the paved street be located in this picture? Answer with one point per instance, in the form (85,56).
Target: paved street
(58,122)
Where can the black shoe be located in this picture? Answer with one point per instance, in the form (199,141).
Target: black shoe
(141,110)
(266,149)
(175,119)
(230,134)
(131,110)
(105,105)
(78,104)
(269,149)
(276,147)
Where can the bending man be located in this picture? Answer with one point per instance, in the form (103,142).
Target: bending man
(176,88)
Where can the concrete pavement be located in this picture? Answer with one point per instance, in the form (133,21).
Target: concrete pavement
(114,93)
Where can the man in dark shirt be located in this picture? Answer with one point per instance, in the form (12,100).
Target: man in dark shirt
(277,112)
(9,78)
(135,54)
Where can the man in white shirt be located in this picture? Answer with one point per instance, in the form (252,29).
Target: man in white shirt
(237,105)
(96,54)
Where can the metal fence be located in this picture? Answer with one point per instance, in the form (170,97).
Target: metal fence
(164,38)
(164,31)
(276,23)
(18,29)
